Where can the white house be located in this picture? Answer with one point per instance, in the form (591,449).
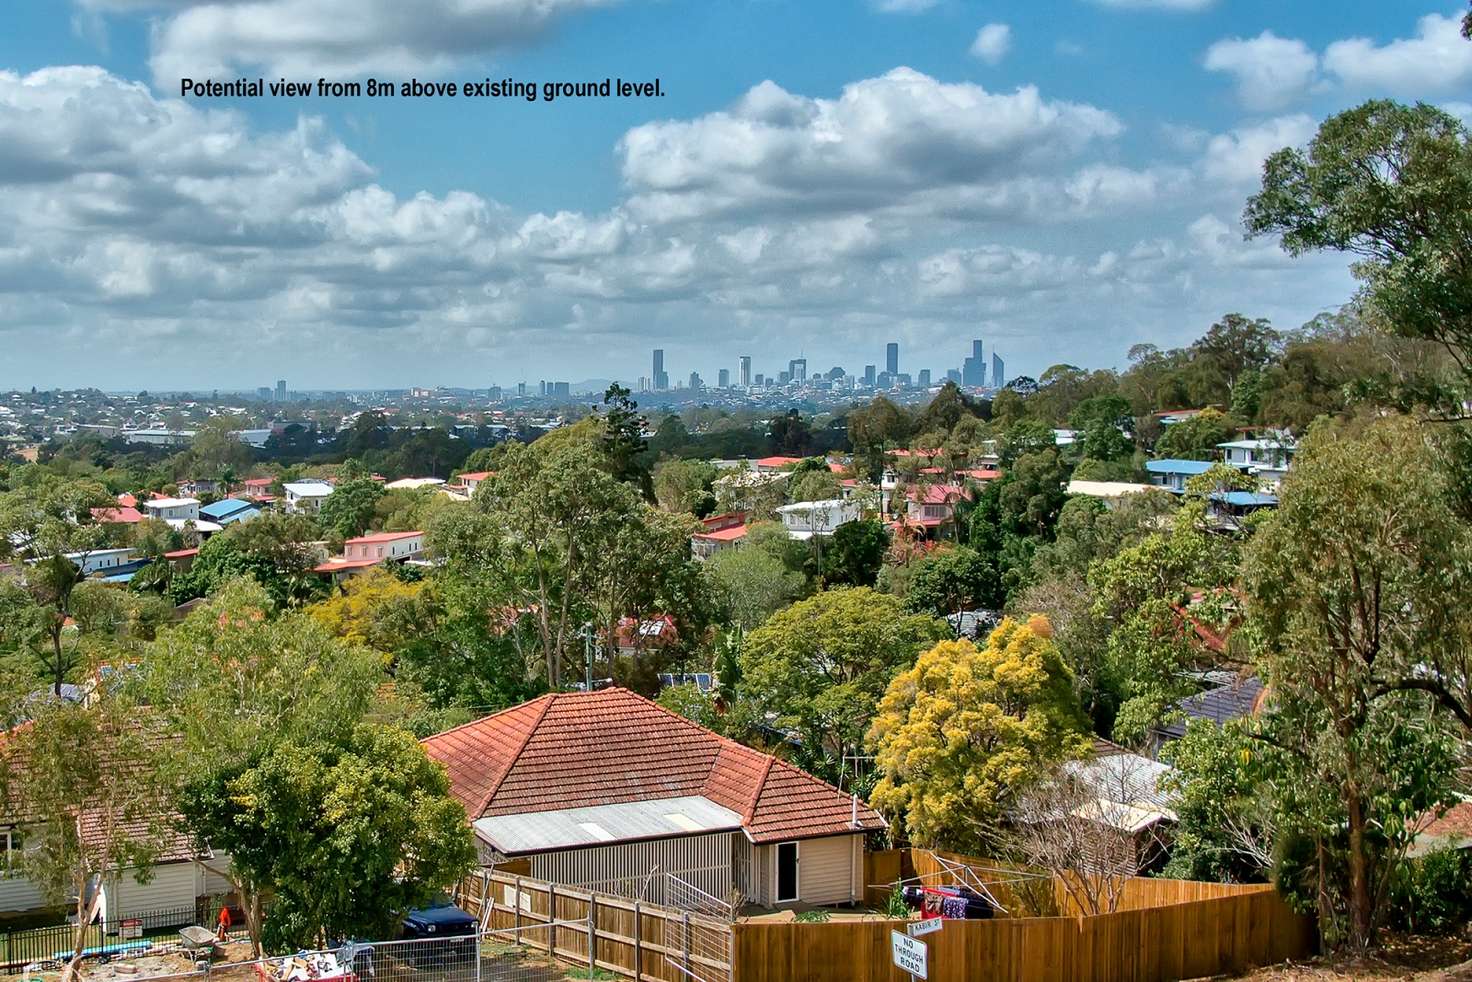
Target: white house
(805,519)
(306,496)
(99,560)
(1266,459)
(183,509)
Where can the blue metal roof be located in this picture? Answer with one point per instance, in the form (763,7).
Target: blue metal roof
(1245,499)
(1171,466)
(225,507)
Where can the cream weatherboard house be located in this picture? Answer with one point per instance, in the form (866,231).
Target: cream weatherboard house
(609,791)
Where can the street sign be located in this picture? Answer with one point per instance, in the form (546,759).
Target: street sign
(929,925)
(909,954)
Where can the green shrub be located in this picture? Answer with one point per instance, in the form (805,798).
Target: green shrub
(1432,894)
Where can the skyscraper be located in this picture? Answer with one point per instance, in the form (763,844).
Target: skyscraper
(723,378)
(999,371)
(745,371)
(973,369)
(892,358)
(760,380)
(797,369)
(869,375)
(281,390)
(924,378)
(659,378)
(695,382)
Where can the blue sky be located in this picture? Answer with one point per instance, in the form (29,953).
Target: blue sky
(1062,179)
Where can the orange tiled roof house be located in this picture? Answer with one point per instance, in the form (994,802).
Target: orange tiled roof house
(609,791)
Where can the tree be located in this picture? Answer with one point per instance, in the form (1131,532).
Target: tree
(1233,347)
(1357,583)
(1225,805)
(275,550)
(1390,184)
(752,583)
(623,439)
(281,680)
(950,580)
(95,802)
(1196,437)
(822,664)
(814,485)
(959,735)
(1146,595)
(217,450)
(349,509)
(948,407)
(49,524)
(685,485)
(855,552)
(349,835)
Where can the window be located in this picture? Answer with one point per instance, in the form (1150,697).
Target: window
(786,872)
(10,843)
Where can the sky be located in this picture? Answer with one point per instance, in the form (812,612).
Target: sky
(1060,178)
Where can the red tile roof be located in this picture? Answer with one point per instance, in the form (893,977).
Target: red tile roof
(338,565)
(125,515)
(181,553)
(577,749)
(938,494)
(257,482)
(778,461)
(474,476)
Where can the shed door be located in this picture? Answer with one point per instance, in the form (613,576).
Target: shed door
(786,871)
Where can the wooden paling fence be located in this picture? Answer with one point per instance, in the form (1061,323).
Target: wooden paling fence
(625,937)
(1163,930)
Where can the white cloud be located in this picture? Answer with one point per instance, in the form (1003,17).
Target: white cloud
(903,6)
(334,38)
(1437,59)
(1234,160)
(1270,71)
(882,143)
(992,43)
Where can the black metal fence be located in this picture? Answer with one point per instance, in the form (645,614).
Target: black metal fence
(133,932)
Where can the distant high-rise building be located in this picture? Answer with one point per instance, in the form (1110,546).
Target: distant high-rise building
(884,381)
(281,390)
(784,377)
(760,380)
(953,375)
(264,393)
(494,393)
(973,369)
(924,378)
(695,382)
(869,375)
(521,390)
(542,387)
(892,358)
(797,369)
(562,390)
(723,378)
(659,379)
(999,371)
(745,371)
(836,372)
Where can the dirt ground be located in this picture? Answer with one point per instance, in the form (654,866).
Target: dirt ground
(1413,958)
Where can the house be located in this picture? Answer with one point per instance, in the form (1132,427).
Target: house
(607,789)
(466,483)
(1444,827)
(121,515)
(228,511)
(1125,792)
(198,486)
(1268,460)
(306,496)
(177,509)
(1173,474)
(367,551)
(1221,703)
(805,519)
(721,532)
(765,465)
(635,637)
(101,560)
(932,508)
(255,487)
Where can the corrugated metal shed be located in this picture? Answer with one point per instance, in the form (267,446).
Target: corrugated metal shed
(630,821)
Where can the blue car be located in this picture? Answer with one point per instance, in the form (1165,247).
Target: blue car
(440,919)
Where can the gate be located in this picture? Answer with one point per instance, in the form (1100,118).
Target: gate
(702,932)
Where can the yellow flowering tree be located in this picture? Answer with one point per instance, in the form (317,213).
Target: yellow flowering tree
(958,735)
